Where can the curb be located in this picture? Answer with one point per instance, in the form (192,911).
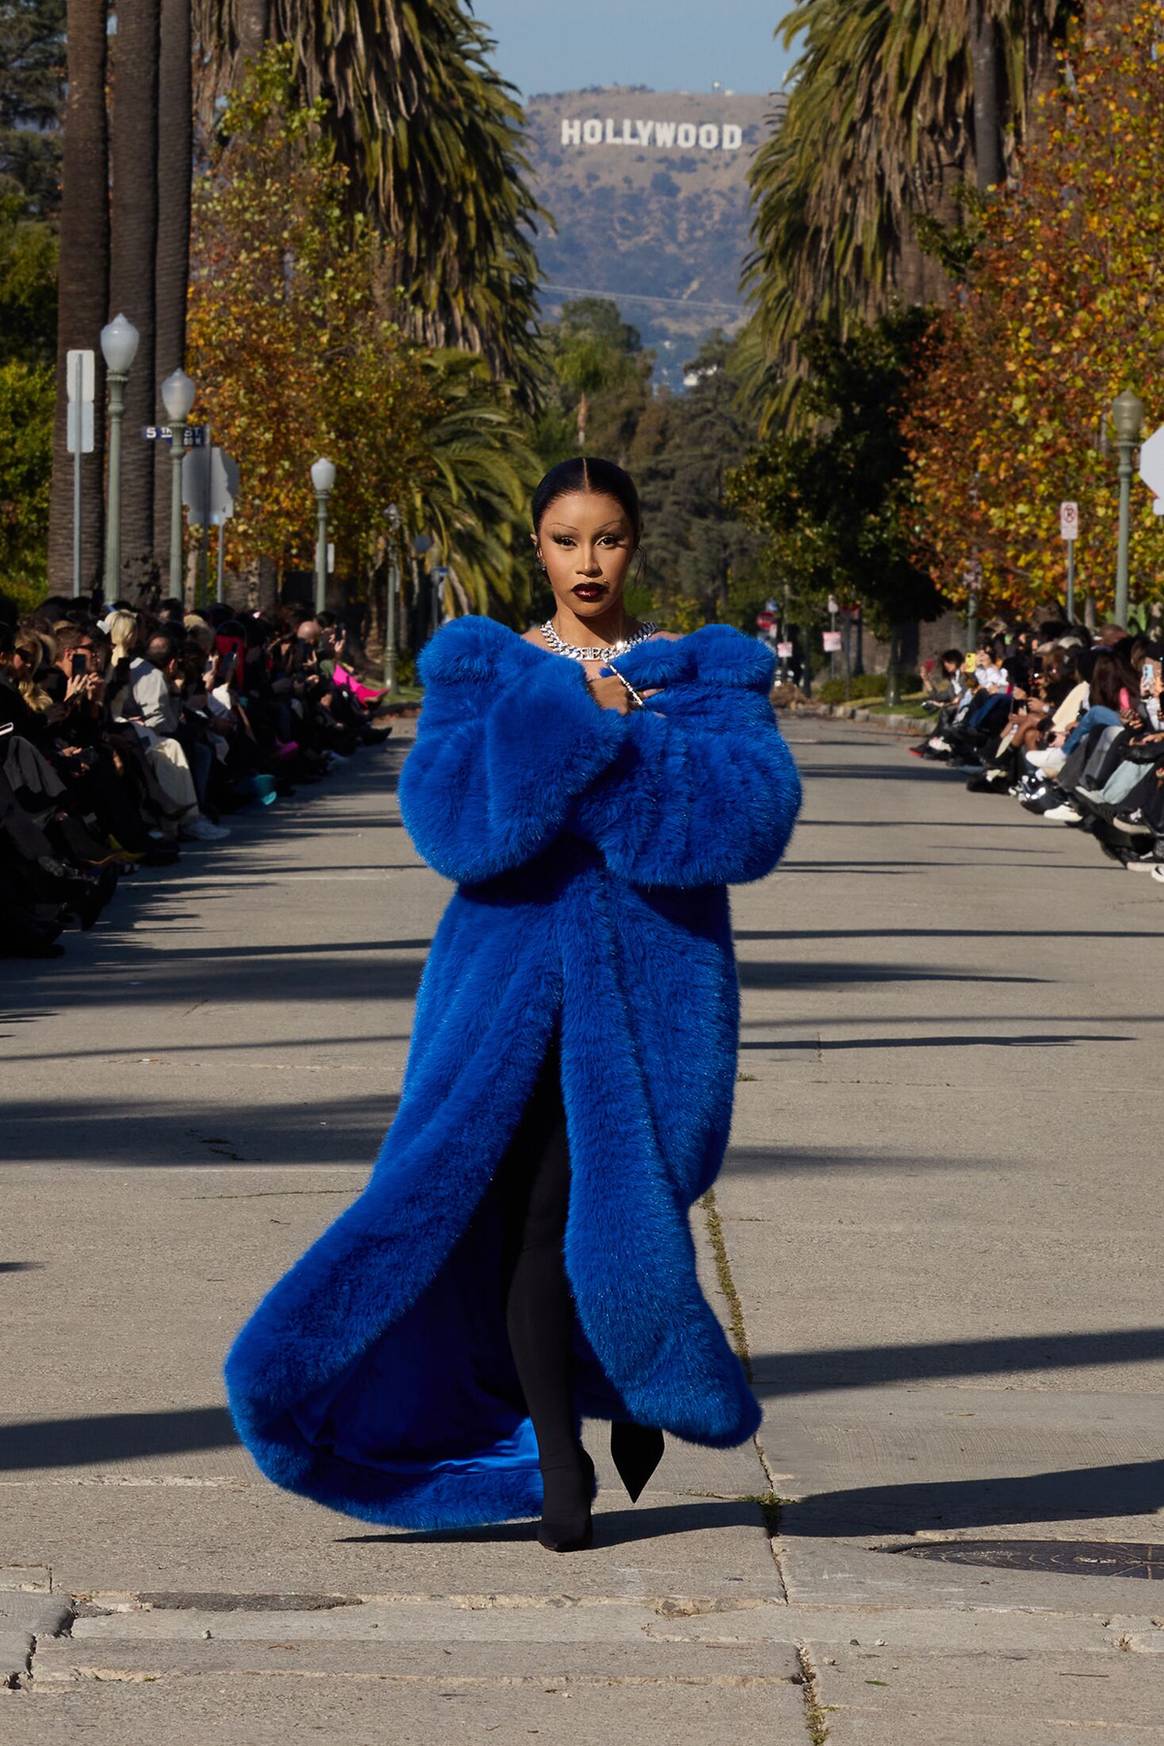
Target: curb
(895,724)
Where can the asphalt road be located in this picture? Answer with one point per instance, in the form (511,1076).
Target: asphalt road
(941,1237)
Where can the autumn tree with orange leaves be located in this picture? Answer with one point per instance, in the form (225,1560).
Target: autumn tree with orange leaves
(1063,308)
(294,335)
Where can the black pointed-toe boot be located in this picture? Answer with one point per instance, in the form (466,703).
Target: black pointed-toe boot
(636,1451)
(568,1490)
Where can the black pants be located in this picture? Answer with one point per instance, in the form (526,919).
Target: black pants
(533,1184)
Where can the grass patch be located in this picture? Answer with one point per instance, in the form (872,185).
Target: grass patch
(727,1284)
(815,1714)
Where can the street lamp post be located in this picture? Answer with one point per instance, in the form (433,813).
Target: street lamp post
(178,393)
(323,479)
(390,602)
(119,342)
(1127,414)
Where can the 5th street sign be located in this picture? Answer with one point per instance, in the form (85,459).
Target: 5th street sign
(193,438)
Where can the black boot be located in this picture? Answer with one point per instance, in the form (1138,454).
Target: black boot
(567,1493)
(636,1451)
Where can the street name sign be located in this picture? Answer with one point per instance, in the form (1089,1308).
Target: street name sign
(194,436)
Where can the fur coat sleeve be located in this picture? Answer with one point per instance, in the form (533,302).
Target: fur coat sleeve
(697,788)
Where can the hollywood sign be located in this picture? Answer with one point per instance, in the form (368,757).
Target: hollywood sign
(709,136)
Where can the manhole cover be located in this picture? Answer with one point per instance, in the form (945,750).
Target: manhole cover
(1067,1557)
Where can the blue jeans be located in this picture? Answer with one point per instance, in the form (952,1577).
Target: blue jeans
(1099,715)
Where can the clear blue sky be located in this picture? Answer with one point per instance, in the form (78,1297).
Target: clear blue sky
(672,45)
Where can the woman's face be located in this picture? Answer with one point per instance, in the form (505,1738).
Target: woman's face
(586,542)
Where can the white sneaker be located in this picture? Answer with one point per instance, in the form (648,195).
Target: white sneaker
(203,831)
(1065,814)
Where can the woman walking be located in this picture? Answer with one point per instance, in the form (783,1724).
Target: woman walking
(521,1256)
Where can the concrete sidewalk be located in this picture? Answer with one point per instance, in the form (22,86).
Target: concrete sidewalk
(937,1238)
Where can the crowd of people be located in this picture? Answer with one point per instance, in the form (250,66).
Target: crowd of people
(1066,723)
(124,735)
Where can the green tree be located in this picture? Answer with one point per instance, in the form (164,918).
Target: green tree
(32,95)
(599,379)
(431,138)
(697,549)
(28,296)
(834,501)
(894,105)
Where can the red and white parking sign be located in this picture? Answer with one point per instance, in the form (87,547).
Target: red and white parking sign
(1068,521)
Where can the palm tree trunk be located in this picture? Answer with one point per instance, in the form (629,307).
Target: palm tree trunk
(253,25)
(84,288)
(987,99)
(175,160)
(134,154)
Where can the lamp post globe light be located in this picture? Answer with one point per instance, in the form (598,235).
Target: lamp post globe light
(119,342)
(178,393)
(1127,415)
(323,479)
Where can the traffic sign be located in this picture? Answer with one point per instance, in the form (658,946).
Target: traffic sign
(832,642)
(784,650)
(80,379)
(210,483)
(1152,466)
(1068,521)
(765,620)
(81,375)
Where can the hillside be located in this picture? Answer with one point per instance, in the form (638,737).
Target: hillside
(649,197)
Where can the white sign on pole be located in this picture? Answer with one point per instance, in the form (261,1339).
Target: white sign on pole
(79,427)
(1152,467)
(1068,521)
(81,372)
(832,642)
(80,379)
(209,485)
(784,650)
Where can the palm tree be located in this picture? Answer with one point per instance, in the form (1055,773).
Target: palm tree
(134,239)
(481,472)
(431,137)
(174,170)
(895,106)
(84,283)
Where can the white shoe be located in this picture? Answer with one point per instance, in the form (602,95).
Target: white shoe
(203,831)
(1050,760)
(1065,814)
(937,744)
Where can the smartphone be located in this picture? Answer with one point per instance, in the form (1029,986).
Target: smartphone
(1147,678)
(80,666)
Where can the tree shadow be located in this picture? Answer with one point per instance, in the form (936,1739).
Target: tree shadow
(783,1375)
(1134,1488)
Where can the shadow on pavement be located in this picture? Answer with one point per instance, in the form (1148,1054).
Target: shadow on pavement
(1076,1494)
(778,1375)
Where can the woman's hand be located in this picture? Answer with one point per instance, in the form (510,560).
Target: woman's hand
(611,693)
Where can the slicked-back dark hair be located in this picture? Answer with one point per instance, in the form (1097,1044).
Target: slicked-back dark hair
(588,473)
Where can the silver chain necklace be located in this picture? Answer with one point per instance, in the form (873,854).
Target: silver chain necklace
(599,651)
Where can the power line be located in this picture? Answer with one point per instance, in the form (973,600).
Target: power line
(639,297)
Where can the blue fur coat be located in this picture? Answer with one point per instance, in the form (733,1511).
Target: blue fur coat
(592,853)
